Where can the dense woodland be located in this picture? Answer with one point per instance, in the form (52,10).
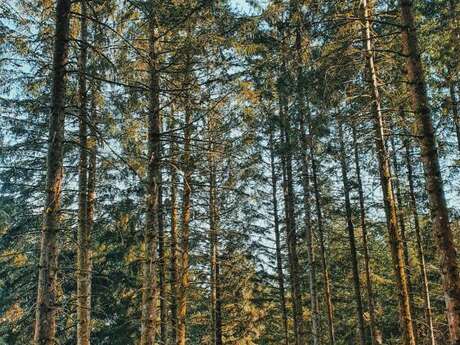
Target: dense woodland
(229,173)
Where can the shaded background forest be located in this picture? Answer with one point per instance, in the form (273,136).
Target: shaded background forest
(270,225)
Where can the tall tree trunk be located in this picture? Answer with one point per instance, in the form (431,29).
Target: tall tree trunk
(387,187)
(291,237)
(150,284)
(301,109)
(279,262)
(309,235)
(45,318)
(322,246)
(174,265)
(376,336)
(430,160)
(288,190)
(186,213)
(214,243)
(402,226)
(420,251)
(83,238)
(351,237)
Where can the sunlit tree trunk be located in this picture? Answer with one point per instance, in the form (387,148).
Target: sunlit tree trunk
(45,318)
(430,160)
(186,213)
(396,246)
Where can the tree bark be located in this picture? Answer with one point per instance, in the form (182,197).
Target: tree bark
(402,226)
(162,267)
(83,237)
(430,160)
(174,265)
(186,213)
(150,284)
(46,306)
(216,317)
(279,262)
(322,246)
(351,237)
(289,204)
(420,250)
(387,187)
(376,336)
(309,235)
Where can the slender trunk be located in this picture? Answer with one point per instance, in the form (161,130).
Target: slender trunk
(288,190)
(279,263)
(420,251)
(185,218)
(46,308)
(402,226)
(376,336)
(150,284)
(309,235)
(322,250)
(214,246)
(162,267)
(291,237)
(174,265)
(219,334)
(430,160)
(83,241)
(301,107)
(351,237)
(91,203)
(387,187)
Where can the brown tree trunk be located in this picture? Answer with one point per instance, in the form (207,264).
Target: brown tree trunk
(376,336)
(351,237)
(420,251)
(83,238)
(174,265)
(402,226)
(46,306)
(279,263)
(387,187)
(430,160)
(150,284)
(185,218)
